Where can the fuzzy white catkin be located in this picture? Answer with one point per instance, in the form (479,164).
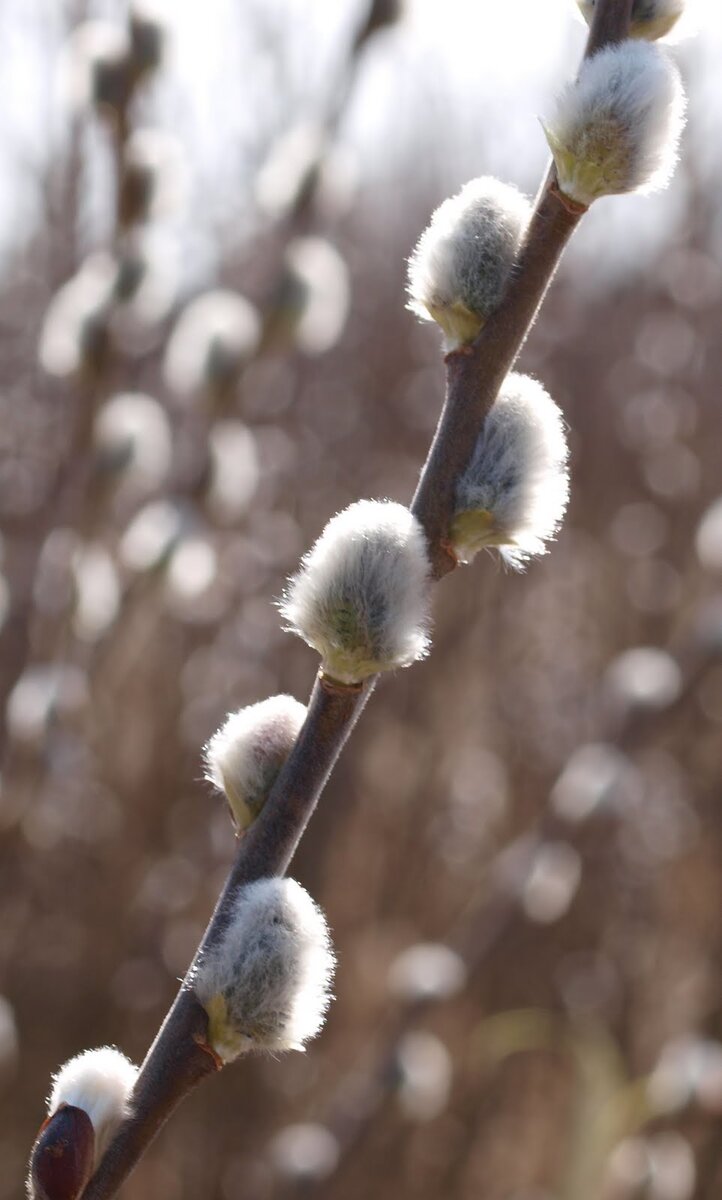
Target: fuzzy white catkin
(42,692)
(549,888)
(151,536)
(147,283)
(645,677)
(361,596)
(266,984)
(292,164)
(514,492)
(97,591)
(100,1082)
(131,433)
(689,1068)
(427,971)
(212,340)
(75,322)
(425,1072)
(318,293)
(616,129)
(463,259)
(305,1153)
(708,539)
(244,757)
(595,776)
(651,19)
(235,470)
(93,63)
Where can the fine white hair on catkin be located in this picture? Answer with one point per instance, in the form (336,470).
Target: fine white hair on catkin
(651,19)
(514,492)
(266,984)
(244,757)
(616,129)
(100,1082)
(463,259)
(361,596)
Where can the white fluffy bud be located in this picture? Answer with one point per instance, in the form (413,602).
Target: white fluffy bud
(235,469)
(95,64)
(616,128)
(291,168)
(147,285)
(305,1153)
(99,1082)
(266,984)
(315,294)
(595,776)
(132,434)
(644,678)
(708,540)
(361,596)
(43,692)
(74,335)
(551,883)
(245,756)
(212,340)
(463,259)
(425,1072)
(689,1069)
(151,536)
(514,492)
(427,971)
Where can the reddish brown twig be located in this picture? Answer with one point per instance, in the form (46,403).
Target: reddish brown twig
(179,1058)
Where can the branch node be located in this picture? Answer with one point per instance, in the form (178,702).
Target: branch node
(447,548)
(465,350)
(203,1045)
(572,206)
(335,687)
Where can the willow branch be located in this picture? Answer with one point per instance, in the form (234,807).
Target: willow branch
(610,24)
(474,378)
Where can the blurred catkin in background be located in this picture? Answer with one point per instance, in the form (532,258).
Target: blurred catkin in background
(204,354)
